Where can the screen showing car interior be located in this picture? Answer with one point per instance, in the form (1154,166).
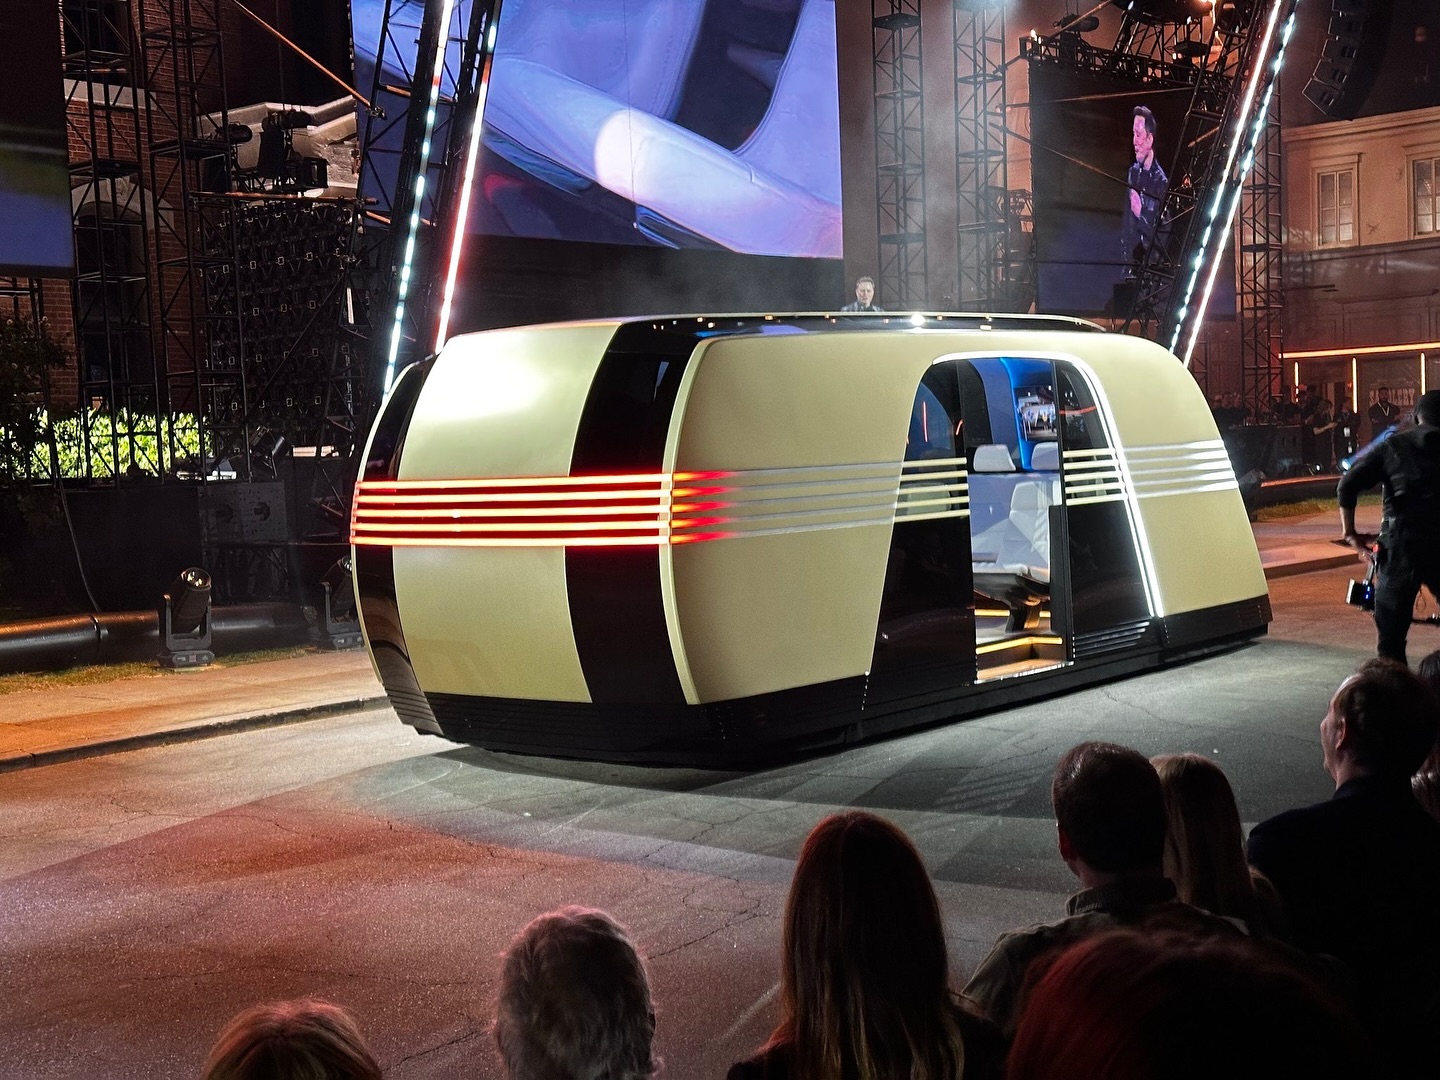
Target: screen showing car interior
(709,124)
(35,232)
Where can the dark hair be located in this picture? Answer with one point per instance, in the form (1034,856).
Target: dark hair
(1108,800)
(1132,1005)
(1142,110)
(574,1001)
(1426,782)
(291,1040)
(864,975)
(1427,409)
(1390,714)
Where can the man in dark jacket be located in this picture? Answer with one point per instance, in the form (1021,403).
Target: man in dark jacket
(1407,464)
(1359,875)
(1110,825)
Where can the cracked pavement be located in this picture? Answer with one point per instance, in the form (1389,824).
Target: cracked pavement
(147,896)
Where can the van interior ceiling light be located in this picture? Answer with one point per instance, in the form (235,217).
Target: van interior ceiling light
(185,621)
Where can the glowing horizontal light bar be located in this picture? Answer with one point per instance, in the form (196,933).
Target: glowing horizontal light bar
(1010,643)
(1367,350)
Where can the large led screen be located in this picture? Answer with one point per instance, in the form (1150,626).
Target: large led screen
(1102,150)
(677,123)
(35,232)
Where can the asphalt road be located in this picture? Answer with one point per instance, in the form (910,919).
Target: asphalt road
(145,897)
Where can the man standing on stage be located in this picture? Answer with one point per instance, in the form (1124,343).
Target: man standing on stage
(1147,183)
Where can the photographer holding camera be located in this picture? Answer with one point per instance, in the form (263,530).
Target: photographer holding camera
(1407,555)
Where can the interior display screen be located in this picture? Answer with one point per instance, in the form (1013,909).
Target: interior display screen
(36,238)
(677,123)
(1035,413)
(1103,148)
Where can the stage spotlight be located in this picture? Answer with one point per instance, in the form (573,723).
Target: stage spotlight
(1073,23)
(339,621)
(267,448)
(185,621)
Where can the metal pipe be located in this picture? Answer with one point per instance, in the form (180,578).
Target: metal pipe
(132,636)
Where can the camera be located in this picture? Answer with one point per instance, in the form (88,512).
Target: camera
(1361,593)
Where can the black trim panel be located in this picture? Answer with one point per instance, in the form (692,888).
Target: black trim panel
(617,611)
(747,731)
(375,565)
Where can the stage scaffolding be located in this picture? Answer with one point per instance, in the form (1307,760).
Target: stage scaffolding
(1261,272)
(899,155)
(982,198)
(120,385)
(1209,60)
(379,249)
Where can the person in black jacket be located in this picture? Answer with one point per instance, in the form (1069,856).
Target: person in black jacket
(1407,464)
(1359,875)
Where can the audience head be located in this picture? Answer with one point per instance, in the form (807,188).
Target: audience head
(864,979)
(291,1040)
(1132,1005)
(1382,721)
(1204,847)
(1427,408)
(575,1002)
(1109,809)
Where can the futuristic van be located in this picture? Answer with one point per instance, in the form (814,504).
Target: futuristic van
(708,539)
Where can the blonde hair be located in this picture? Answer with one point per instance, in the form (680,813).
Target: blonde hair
(1204,849)
(291,1040)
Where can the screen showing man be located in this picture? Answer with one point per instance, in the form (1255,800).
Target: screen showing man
(1147,183)
(864,296)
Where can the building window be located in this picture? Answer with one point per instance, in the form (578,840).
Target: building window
(1335,200)
(1427,196)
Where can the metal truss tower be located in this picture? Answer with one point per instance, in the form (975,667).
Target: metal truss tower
(1261,272)
(120,386)
(422,118)
(982,199)
(899,155)
(186,127)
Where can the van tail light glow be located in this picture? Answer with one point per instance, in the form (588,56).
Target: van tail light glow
(627,510)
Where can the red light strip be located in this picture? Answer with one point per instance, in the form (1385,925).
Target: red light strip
(628,510)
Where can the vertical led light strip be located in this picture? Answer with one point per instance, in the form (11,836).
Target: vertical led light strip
(1355,380)
(413,225)
(467,186)
(1264,72)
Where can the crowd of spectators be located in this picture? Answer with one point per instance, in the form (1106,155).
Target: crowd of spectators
(1312,950)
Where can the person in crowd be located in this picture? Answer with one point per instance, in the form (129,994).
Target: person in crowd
(1359,875)
(574,1002)
(864,972)
(1110,825)
(1426,782)
(1407,464)
(291,1040)
(864,296)
(1347,431)
(1126,1005)
(1316,439)
(1383,413)
(1205,848)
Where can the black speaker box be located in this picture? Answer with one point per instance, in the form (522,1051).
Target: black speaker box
(1351,57)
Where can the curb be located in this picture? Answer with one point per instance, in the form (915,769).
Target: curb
(202,729)
(1309,566)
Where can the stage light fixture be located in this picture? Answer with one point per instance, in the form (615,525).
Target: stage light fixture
(339,620)
(185,621)
(1070,23)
